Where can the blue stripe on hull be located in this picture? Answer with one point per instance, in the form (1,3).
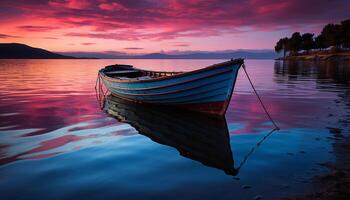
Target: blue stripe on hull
(176,87)
(222,85)
(189,78)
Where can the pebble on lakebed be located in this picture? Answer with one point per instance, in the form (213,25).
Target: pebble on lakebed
(257,197)
(246,186)
(334,130)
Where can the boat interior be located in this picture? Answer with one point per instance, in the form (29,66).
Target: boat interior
(129,72)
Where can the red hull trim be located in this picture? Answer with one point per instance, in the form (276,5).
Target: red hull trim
(214,108)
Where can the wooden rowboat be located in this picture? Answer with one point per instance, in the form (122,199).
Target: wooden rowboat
(205,90)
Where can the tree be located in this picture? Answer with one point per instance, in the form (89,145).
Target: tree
(337,35)
(320,42)
(332,34)
(307,41)
(345,25)
(282,45)
(294,43)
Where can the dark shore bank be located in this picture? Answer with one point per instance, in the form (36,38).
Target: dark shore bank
(319,56)
(333,42)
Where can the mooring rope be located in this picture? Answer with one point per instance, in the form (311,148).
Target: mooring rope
(267,135)
(100,93)
(255,148)
(262,104)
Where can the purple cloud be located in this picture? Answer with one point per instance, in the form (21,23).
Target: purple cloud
(133,48)
(3,36)
(169,19)
(37,28)
(87,43)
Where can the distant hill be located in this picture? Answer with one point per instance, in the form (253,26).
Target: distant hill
(96,55)
(247,54)
(212,55)
(22,51)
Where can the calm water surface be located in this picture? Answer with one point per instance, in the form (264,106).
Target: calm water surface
(56,143)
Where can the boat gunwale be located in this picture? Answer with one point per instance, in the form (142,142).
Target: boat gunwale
(239,61)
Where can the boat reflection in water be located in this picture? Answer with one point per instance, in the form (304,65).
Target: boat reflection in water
(196,136)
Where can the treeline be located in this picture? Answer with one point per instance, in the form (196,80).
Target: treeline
(337,35)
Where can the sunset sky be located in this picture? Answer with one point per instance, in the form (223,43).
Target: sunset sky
(144,26)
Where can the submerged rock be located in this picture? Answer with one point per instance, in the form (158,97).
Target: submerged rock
(246,186)
(257,197)
(334,130)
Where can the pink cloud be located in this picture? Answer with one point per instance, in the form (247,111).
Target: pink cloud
(51,38)
(72,4)
(113,6)
(87,43)
(154,20)
(4,36)
(181,45)
(133,48)
(37,28)
(271,8)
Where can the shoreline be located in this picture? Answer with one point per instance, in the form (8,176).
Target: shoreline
(316,56)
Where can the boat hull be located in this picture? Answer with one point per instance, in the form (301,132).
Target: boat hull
(206,90)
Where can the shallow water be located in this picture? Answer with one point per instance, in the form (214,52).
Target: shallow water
(56,143)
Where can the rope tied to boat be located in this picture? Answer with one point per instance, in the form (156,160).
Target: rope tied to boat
(100,93)
(245,158)
(259,98)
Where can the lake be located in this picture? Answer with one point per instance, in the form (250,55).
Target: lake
(57,143)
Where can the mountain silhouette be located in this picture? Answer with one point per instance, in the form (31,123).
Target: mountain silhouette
(22,51)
